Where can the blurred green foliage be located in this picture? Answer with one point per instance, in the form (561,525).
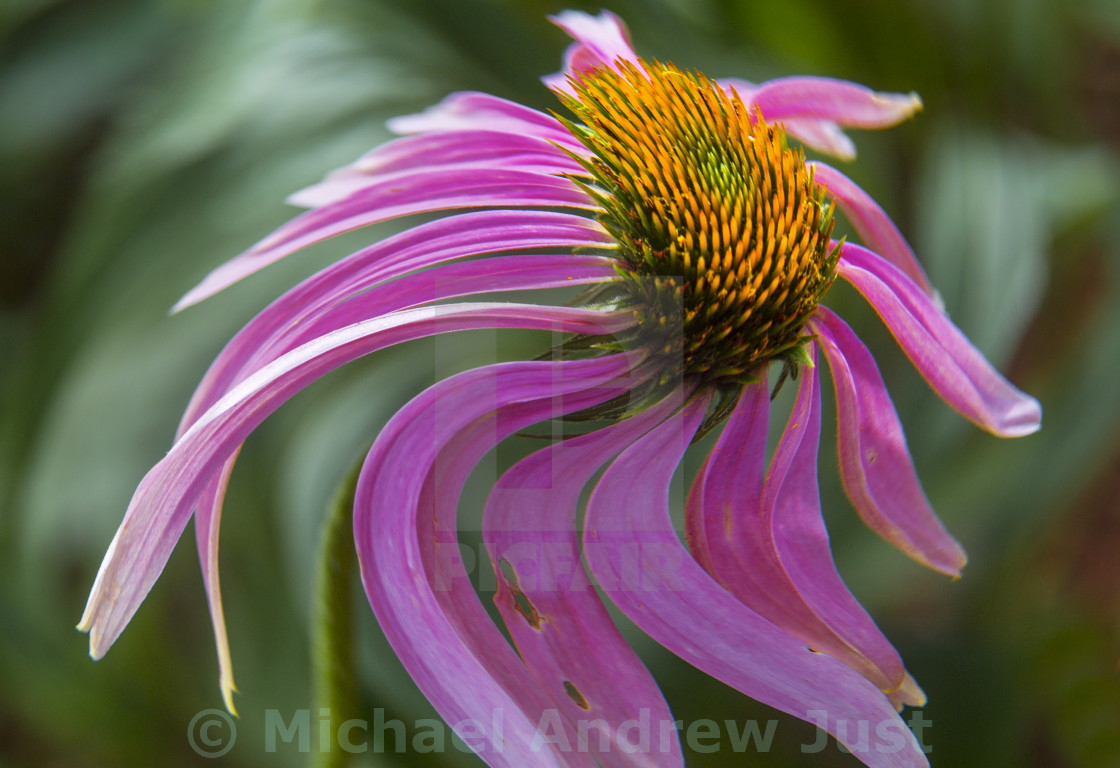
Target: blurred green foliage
(142,142)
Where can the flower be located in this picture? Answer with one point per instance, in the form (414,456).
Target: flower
(704,241)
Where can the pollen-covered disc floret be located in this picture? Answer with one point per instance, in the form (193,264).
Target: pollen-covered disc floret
(723,232)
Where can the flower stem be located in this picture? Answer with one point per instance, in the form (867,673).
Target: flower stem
(332,634)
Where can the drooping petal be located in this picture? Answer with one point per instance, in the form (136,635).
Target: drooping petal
(696,523)
(419,192)
(437,535)
(469,110)
(498,273)
(452,650)
(600,41)
(552,611)
(839,101)
(875,465)
(162,504)
(947,360)
(727,501)
(448,149)
(727,504)
(634,553)
(871,222)
(207,522)
(721,515)
(821,135)
(791,517)
(338,297)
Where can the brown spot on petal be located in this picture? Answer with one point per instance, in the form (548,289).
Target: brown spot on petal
(521,602)
(577,696)
(525,607)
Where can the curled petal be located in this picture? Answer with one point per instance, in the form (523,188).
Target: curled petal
(450,647)
(162,504)
(469,110)
(498,274)
(600,42)
(419,192)
(875,465)
(871,222)
(307,312)
(450,149)
(745,541)
(437,534)
(696,522)
(631,547)
(821,135)
(946,359)
(721,514)
(839,101)
(207,521)
(554,614)
(791,517)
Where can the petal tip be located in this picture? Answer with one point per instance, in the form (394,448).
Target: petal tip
(189,299)
(1023,418)
(954,571)
(907,694)
(228,689)
(949,563)
(84,624)
(97,647)
(901,106)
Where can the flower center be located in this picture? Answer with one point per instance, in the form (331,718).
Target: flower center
(723,233)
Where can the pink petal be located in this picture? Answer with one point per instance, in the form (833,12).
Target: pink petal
(552,611)
(207,521)
(871,222)
(437,535)
(323,304)
(721,515)
(162,504)
(499,273)
(634,553)
(946,359)
(743,544)
(601,41)
(480,111)
(875,464)
(419,192)
(822,135)
(839,101)
(696,522)
(450,149)
(791,516)
(450,647)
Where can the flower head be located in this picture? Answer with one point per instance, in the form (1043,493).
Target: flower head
(703,239)
(723,233)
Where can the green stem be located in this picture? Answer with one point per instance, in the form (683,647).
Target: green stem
(332,635)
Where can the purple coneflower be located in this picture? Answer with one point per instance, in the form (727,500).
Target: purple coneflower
(703,243)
